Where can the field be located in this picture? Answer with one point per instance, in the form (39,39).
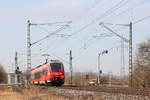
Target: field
(8,93)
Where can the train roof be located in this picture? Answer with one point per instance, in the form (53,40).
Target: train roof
(55,61)
(51,61)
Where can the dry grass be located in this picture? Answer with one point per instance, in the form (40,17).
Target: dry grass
(34,93)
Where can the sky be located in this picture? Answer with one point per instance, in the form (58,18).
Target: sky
(85,16)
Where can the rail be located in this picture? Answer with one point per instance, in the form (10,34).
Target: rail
(15,84)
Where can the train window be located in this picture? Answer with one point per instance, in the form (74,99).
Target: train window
(32,76)
(37,75)
(40,74)
(44,71)
(56,67)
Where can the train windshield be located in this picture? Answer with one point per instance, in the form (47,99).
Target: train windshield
(56,67)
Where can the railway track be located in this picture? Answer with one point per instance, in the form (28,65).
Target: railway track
(122,90)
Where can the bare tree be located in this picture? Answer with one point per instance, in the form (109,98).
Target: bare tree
(3,75)
(142,66)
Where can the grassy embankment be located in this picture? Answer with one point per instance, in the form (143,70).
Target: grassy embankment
(9,93)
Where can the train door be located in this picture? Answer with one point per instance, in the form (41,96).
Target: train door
(44,73)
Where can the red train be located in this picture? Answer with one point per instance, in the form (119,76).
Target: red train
(49,73)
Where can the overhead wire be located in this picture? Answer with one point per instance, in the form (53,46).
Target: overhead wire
(64,26)
(140,20)
(111,10)
(127,10)
(101,36)
(91,23)
(135,22)
(123,12)
(78,17)
(105,14)
(60,58)
(93,6)
(55,56)
(87,10)
(50,34)
(46,31)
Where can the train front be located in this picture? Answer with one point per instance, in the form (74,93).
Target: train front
(57,71)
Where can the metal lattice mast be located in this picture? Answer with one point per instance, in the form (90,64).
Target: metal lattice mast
(130,55)
(28,47)
(16,60)
(71,69)
(98,79)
